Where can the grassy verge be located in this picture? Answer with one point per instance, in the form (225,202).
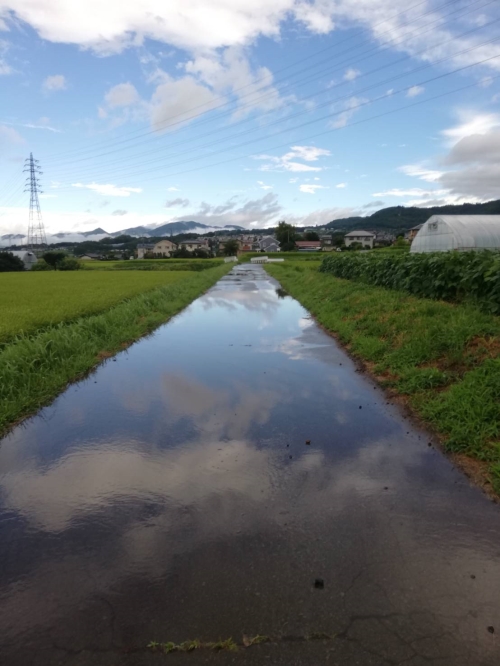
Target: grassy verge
(34,369)
(30,301)
(443,359)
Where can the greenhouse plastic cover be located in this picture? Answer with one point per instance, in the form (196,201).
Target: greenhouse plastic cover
(458,232)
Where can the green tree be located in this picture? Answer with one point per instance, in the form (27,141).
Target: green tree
(231,248)
(285,233)
(68,264)
(53,257)
(181,253)
(9,263)
(311,236)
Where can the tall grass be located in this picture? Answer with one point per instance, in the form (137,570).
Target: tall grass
(444,358)
(34,369)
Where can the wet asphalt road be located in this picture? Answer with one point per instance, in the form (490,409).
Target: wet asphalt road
(172,496)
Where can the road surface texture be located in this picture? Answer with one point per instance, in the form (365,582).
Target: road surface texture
(233,474)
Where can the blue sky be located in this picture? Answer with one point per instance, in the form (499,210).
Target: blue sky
(244,111)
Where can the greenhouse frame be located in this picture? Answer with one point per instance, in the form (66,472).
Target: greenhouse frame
(442,233)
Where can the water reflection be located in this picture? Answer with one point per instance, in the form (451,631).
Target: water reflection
(178,491)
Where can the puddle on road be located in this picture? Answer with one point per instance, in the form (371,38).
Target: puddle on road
(172,496)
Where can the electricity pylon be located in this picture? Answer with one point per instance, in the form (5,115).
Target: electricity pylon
(37,240)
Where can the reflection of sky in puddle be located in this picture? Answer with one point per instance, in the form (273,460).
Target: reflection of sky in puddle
(196,436)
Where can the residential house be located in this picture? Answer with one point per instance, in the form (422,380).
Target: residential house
(383,239)
(164,248)
(144,249)
(269,244)
(308,246)
(366,238)
(192,245)
(90,257)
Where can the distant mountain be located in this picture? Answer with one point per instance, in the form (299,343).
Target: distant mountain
(12,237)
(398,218)
(174,228)
(94,232)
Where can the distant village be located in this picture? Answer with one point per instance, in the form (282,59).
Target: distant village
(325,240)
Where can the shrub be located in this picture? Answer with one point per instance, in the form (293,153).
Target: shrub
(53,257)
(69,264)
(450,276)
(9,263)
(42,265)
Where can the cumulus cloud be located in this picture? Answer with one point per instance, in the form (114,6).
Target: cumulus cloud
(263,186)
(311,189)
(470,169)
(288,161)
(340,186)
(173,102)
(415,91)
(119,212)
(123,94)
(256,212)
(109,190)
(177,203)
(55,82)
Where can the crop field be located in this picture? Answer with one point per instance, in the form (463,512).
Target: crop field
(29,301)
(441,359)
(72,321)
(153,265)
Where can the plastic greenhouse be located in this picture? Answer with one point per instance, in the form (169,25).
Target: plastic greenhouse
(442,233)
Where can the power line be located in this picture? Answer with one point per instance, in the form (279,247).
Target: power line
(326,117)
(301,113)
(183,119)
(303,99)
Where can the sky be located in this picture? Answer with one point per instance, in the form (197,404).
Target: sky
(245,111)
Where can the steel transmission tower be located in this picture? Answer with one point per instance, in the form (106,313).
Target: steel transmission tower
(36,231)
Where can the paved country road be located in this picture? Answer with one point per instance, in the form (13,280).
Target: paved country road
(173,496)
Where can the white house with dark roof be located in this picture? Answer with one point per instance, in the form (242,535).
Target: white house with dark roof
(366,238)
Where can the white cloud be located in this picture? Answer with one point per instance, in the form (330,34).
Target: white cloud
(173,189)
(471,122)
(42,123)
(413,192)
(471,165)
(351,74)
(177,203)
(346,110)
(174,102)
(421,172)
(263,186)
(5,68)
(244,213)
(110,190)
(55,82)
(311,189)
(340,186)
(414,91)
(287,162)
(123,94)
(8,135)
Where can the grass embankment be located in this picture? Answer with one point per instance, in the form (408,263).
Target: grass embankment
(444,359)
(34,369)
(30,301)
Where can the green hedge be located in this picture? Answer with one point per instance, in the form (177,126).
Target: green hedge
(450,276)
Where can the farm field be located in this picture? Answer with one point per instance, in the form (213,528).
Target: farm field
(441,359)
(76,321)
(29,301)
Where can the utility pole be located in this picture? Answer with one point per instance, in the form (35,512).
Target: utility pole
(36,231)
